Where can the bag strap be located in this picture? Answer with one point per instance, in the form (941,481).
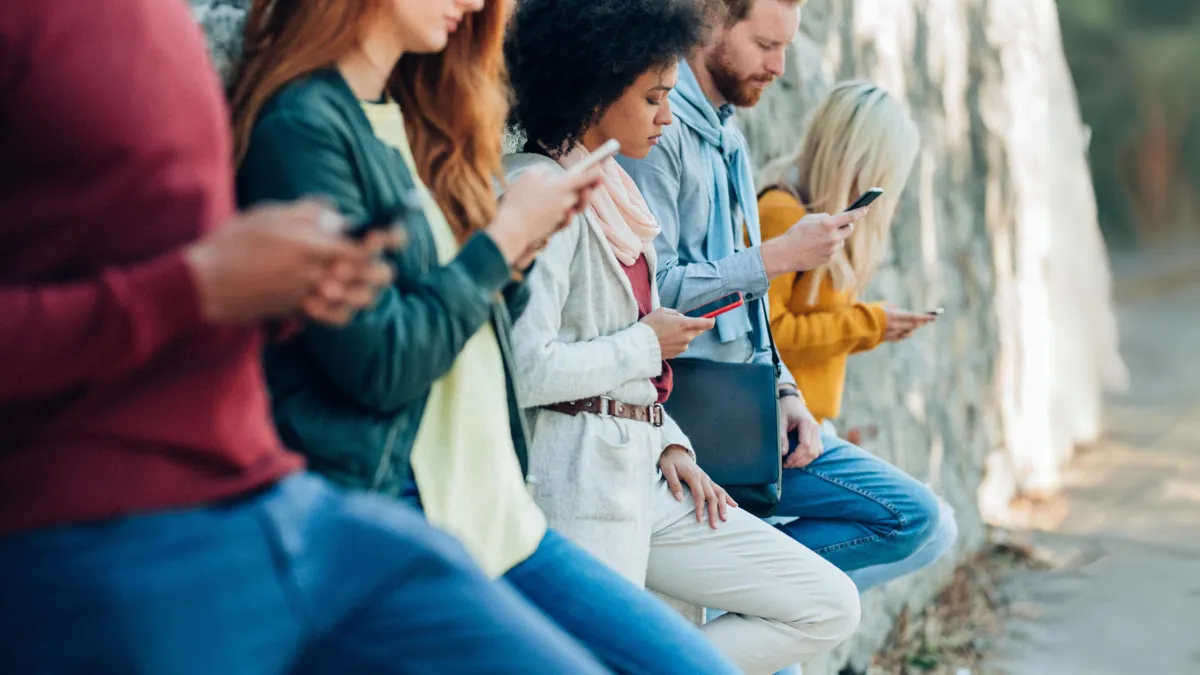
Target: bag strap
(771,341)
(783,187)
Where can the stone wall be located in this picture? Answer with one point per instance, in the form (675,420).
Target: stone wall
(998,224)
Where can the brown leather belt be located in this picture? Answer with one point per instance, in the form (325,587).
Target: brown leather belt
(605,406)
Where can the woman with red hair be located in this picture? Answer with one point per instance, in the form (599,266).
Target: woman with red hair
(414,398)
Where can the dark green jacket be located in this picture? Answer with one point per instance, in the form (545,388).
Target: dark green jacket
(351,398)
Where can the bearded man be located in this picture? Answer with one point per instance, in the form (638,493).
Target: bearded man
(847,505)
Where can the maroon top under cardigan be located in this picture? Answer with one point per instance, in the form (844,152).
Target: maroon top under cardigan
(639,279)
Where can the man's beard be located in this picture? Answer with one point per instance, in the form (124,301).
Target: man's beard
(743,92)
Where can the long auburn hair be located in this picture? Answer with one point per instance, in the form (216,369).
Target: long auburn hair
(859,137)
(455,101)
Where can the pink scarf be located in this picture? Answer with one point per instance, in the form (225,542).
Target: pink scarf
(620,208)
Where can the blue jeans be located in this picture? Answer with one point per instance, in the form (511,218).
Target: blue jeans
(628,629)
(298,578)
(935,547)
(872,520)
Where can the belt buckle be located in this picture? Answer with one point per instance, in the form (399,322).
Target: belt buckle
(657,415)
(606,406)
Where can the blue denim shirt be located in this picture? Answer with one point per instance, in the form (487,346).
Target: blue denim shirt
(676,179)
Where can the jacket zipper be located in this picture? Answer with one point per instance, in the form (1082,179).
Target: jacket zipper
(389,445)
(501,320)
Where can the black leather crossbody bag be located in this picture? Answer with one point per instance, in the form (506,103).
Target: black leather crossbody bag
(730,412)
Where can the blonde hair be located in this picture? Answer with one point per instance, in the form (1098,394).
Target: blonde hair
(860,137)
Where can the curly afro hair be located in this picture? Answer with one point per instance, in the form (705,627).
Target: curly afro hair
(570,60)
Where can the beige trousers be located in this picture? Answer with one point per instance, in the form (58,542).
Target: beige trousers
(784,602)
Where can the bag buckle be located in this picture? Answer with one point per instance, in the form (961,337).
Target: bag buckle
(657,415)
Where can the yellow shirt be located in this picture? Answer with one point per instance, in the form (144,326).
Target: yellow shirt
(463,457)
(814,339)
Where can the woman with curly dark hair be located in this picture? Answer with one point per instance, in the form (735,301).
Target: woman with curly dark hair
(393,108)
(591,345)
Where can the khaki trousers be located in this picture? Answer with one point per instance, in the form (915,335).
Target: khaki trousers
(784,602)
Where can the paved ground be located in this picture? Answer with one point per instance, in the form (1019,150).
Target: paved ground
(1127,599)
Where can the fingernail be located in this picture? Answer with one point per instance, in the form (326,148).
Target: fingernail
(330,222)
(678,496)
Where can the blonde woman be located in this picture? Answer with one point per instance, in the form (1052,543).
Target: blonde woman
(864,515)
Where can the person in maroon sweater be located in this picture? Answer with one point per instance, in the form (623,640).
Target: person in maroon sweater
(150,520)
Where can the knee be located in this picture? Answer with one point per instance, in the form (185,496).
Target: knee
(945,534)
(829,610)
(845,603)
(920,519)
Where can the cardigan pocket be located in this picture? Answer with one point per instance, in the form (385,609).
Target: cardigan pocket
(610,471)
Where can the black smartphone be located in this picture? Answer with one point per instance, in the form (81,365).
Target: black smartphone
(866,198)
(409,205)
(717,307)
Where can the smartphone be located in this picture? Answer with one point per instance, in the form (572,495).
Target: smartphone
(866,198)
(717,307)
(610,148)
(409,205)
(938,311)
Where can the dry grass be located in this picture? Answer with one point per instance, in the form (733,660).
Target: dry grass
(953,635)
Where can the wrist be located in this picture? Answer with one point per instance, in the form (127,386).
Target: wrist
(774,257)
(507,239)
(201,261)
(667,451)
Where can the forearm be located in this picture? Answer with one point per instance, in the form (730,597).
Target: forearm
(551,371)
(683,286)
(391,354)
(60,336)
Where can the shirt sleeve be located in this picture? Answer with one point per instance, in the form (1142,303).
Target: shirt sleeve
(685,284)
(60,336)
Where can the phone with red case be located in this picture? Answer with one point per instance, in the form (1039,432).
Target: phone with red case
(717,307)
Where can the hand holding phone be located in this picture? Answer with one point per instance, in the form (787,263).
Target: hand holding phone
(538,203)
(810,243)
(674,330)
(902,323)
(391,219)
(717,307)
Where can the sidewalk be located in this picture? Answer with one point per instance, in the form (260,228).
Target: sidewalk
(1141,275)
(1125,599)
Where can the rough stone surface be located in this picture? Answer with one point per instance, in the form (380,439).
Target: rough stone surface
(223,21)
(998,224)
